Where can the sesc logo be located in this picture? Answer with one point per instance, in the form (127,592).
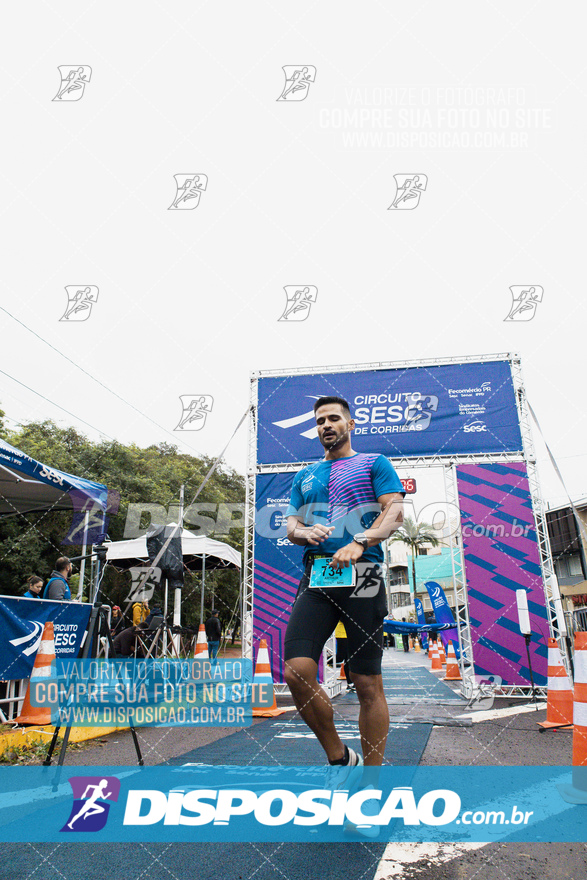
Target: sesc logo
(474,427)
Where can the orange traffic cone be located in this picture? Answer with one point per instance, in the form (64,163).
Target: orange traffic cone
(342,673)
(453,673)
(43,668)
(417,647)
(264,676)
(559,703)
(442,654)
(202,644)
(436,662)
(577,792)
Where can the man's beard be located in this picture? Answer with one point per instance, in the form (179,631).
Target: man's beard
(331,444)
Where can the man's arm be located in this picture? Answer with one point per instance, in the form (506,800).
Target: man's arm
(300,534)
(389,520)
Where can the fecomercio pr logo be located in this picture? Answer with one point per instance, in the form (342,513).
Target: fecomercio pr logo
(476,391)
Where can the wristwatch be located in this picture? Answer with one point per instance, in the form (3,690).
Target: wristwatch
(361,539)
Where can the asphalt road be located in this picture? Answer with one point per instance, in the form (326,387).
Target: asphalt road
(512,739)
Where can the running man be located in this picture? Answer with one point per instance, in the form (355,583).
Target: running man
(82,300)
(195,411)
(523,303)
(91,808)
(75,80)
(332,501)
(410,189)
(301,301)
(300,79)
(190,189)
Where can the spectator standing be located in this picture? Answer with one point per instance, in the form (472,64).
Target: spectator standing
(34,587)
(213,634)
(57,587)
(117,621)
(140,612)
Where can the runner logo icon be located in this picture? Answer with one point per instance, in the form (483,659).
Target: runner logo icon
(409,190)
(297,82)
(79,302)
(195,409)
(74,79)
(90,802)
(188,190)
(299,302)
(525,301)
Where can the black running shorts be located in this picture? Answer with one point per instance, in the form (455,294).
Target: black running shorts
(362,608)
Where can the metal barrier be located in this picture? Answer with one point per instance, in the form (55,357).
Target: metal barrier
(580,619)
(11,697)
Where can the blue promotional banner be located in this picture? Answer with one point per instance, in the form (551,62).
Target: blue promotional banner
(215,803)
(412,411)
(421,619)
(444,615)
(278,566)
(21,630)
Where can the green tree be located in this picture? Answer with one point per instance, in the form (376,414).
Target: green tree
(415,535)
(31,543)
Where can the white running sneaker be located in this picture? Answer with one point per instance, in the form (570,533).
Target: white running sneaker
(339,776)
(370,807)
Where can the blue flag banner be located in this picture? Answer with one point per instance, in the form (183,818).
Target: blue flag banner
(207,803)
(399,627)
(421,619)
(444,615)
(21,630)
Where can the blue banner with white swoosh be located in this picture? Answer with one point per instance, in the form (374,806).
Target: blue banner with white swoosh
(21,629)
(445,409)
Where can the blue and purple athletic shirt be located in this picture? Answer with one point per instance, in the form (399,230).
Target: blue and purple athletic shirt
(343,493)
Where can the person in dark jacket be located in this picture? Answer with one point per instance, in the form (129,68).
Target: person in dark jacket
(57,587)
(117,621)
(34,587)
(213,634)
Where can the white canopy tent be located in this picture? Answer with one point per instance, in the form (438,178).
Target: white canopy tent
(198,551)
(125,554)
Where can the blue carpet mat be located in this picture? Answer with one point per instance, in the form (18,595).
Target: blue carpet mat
(287,740)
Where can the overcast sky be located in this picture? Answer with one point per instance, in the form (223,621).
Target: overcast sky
(293,192)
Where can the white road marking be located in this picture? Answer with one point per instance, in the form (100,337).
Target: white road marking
(493,714)
(397,855)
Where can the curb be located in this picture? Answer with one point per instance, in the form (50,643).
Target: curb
(23,736)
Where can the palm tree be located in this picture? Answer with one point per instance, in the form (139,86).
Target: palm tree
(414,535)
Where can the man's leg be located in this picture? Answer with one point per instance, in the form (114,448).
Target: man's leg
(313,704)
(373,717)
